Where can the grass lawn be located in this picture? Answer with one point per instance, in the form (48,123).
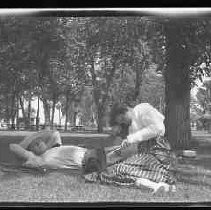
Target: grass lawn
(194,179)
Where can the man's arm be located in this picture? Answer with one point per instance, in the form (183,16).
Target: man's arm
(49,138)
(21,152)
(31,159)
(26,141)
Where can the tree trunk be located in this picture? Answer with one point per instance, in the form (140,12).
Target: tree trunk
(177,88)
(139,76)
(17,113)
(97,95)
(22,107)
(53,112)
(13,122)
(100,109)
(177,120)
(66,110)
(23,111)
(100,126)
(74,118)
(137,83)
(7,108)
(29,113)
(13,109)
(46,107)
(38,113)
(13,112)
(60,120)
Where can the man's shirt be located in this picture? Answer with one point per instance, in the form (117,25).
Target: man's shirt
(55,158)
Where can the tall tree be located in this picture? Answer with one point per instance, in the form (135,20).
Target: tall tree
(177,77)
(153,88)
(113,43)
(185,44)
(203,96)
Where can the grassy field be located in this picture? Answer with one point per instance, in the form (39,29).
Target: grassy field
(193,185)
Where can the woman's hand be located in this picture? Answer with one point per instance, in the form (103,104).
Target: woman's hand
(124,144)
(122,147)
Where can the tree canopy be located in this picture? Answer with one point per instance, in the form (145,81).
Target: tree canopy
(55,58)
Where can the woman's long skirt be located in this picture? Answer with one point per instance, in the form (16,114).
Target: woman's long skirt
(154,161)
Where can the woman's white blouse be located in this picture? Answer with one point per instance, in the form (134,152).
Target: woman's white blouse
(147,122)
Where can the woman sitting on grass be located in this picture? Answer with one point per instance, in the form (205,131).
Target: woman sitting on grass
(44,150)
(144,157)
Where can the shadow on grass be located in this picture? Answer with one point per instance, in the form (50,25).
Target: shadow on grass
(194,178)
(197,171)
(17,171)
(202,144)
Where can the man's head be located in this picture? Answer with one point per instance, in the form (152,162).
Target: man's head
(94,160)
(38,147)
(41,141)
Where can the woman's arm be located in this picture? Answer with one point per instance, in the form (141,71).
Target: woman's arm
(144,134)
(152,124)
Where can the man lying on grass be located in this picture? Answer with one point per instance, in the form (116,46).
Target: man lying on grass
(142,159)
(44,150)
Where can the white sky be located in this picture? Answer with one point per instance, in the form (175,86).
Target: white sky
(171,11)
(199,83)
